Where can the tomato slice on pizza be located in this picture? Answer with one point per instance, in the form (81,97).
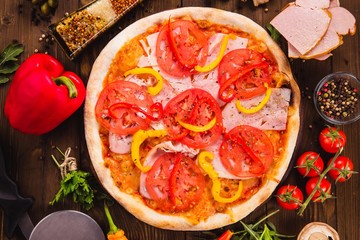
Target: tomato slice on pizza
(157,181)
(179,47)
(187,183)
(188,43)
(123,120)
(242,74)
(197,108)
(175,182)
(246,152)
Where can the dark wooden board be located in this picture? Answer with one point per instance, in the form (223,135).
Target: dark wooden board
(28,157)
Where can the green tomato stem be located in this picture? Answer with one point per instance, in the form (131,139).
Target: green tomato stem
(321,177)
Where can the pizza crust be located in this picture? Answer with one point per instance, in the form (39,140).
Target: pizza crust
(135,205)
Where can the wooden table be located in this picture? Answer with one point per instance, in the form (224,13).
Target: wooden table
(28,157)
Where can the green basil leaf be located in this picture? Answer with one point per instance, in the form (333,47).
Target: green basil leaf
(9,67)
(11,52)
(3,79)
(274,33)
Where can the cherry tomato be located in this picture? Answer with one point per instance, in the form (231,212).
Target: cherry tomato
(157,181)
(251,159)
(196,107)
(123,121)
(310,164)
(342,169)
(331,139)
(322,192)
(187,183)
(289,197)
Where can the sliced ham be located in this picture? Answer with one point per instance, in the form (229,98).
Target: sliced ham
(329,42)
(273,116)
(119,143)
(302,27)
(342,21)
(293,53)
(313,3)
(334,3)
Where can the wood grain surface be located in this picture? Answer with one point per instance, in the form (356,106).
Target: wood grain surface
(28,160)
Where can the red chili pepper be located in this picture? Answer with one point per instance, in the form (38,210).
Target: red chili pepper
(155,108)
(42,95)
(226,235)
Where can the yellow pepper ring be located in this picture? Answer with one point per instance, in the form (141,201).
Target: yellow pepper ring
(138,138)
(153,90)
(259,106)
(195,128)
(215,189)
(216,62)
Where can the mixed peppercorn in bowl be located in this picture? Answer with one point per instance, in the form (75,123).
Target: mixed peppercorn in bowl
(336,98)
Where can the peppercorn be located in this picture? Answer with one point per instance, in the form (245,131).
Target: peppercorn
(337,99)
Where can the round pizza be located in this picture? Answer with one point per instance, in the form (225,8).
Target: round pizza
(191,118)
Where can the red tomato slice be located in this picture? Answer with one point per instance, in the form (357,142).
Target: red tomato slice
(239,160)
(166,58)
(236,61)
(188,43)
(187,183)
(242,73)
(252,84)
(123,121)
(196,107)
(157,181)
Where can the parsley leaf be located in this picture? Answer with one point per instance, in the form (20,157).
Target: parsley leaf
(75,184)
(8,59)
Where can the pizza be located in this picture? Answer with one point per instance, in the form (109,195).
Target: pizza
(191,118)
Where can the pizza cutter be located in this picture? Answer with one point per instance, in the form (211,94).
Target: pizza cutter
(69,225)
(61,225)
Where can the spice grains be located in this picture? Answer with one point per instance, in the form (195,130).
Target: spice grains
(80,27)
(337,99)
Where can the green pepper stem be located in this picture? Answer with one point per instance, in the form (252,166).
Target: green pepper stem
(62,80)
(113,227)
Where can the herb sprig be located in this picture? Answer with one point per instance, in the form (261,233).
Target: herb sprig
(261,230)
(8,61)
(274,33)
(74,183)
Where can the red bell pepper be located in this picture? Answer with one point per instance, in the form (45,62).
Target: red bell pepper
(226,235)
(42,95)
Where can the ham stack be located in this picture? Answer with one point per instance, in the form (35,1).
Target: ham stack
(314,29)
